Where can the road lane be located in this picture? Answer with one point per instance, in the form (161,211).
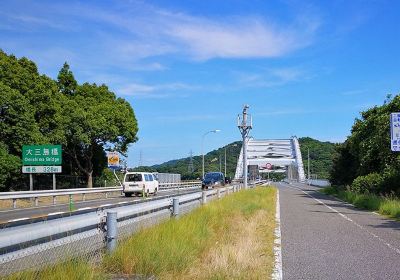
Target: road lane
(34,212)
(324,238)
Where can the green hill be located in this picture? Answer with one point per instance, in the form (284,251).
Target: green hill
(320,154)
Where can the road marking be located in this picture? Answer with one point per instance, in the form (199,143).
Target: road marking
(277,272)
(55,213)
(105,205)
(84,208)
(17,220)
(387,244)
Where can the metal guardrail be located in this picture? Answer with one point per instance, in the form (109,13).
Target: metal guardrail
(85,233)
(35,195)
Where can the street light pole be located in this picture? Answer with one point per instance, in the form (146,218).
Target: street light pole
(308,165)
(202,147)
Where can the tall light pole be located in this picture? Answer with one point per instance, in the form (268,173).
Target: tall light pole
(308,165)
(234,145)
(202,146)
(245,125)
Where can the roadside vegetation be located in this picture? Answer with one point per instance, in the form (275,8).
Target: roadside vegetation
(365,162)
(384,205)
(227,239)
(86,119)
(231,238)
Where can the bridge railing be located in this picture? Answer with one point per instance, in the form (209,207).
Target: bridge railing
(54,194)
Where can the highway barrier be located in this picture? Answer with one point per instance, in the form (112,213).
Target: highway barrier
(86,233)
(35,195)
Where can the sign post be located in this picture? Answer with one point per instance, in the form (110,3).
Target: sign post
(113,163)
(395,132)
(269,167)
(41,159)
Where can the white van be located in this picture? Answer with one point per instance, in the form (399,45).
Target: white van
(135,182)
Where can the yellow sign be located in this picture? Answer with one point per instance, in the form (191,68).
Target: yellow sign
(113,159)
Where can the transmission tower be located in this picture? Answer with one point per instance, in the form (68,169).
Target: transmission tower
(140,158)
(191,166)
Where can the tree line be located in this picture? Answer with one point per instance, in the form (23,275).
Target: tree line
(364,162)
(86,119)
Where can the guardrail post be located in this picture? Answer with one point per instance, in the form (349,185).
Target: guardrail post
(83,197)
(175,207)
(106,194)
(71,203)
(112,232)
(54,200)
(203,197)
(219,193)
(36,201)
(14,203)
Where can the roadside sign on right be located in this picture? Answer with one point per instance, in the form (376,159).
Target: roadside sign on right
(395,131)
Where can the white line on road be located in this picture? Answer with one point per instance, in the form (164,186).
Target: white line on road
(16,220)
(277,272)
(55,213)
(350,220)
(84,208)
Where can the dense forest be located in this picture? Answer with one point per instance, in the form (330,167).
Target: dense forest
(365,162)
(321,154)
(86,119)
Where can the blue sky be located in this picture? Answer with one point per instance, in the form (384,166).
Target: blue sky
(306,68)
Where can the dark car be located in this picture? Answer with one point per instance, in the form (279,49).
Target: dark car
(213,179)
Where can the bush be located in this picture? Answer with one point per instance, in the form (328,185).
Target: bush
(370,183)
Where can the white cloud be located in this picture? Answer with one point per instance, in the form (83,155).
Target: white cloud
(236,38)
(271,77)
(139,30)
(155,91)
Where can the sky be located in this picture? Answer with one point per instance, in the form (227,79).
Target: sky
(305,68)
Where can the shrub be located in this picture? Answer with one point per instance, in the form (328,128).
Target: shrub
(370,183)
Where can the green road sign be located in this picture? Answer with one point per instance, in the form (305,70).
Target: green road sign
(41,155)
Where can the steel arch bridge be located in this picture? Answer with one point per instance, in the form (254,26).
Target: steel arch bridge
(283,155)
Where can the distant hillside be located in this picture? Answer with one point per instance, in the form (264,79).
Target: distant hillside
(320,154)
(211,163)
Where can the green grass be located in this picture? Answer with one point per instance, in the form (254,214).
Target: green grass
(169,249)
(383,205)
(73,269)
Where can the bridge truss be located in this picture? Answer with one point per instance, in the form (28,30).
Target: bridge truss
(281,155)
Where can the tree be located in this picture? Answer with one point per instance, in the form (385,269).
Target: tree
(95,119)
(66,81)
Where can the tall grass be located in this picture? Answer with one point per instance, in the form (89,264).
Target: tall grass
(388,206)
(72,269)
(231,238)
(171,250)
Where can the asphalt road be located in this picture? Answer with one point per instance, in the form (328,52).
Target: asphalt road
(324,238)
(34,212)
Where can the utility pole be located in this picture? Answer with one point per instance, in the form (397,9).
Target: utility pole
(140,158)
(220,163)
(225,162)
(245,125)
(308,165)
(191,166)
